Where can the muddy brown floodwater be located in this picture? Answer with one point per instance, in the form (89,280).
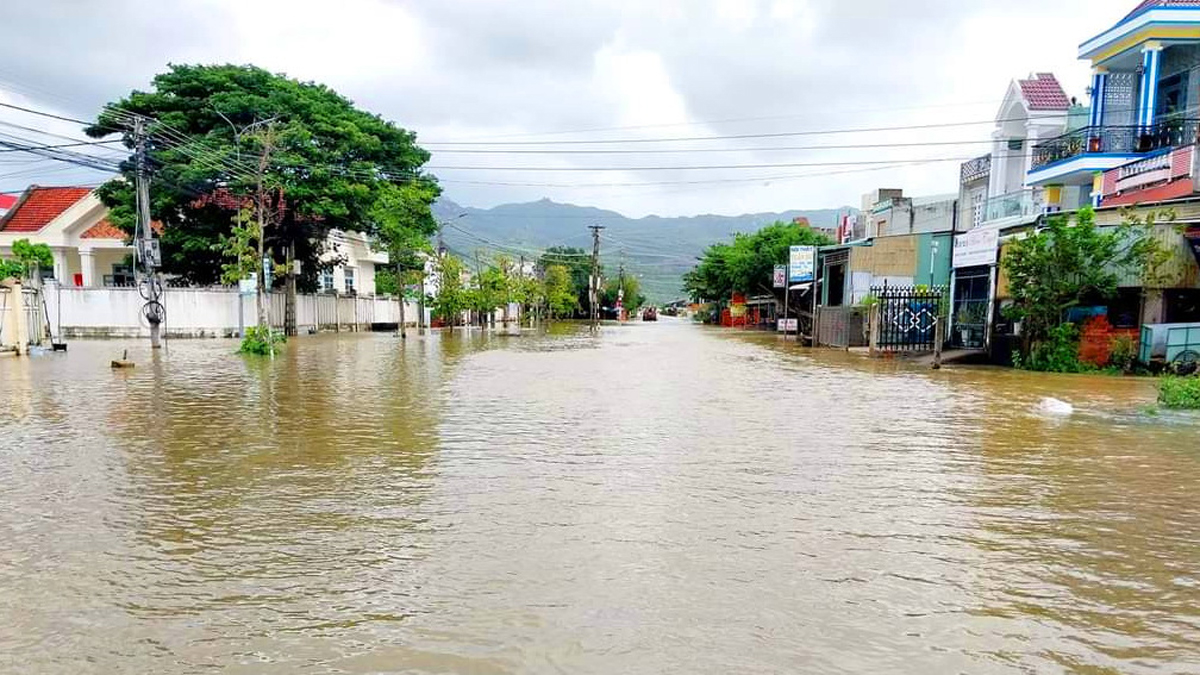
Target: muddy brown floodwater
(659,499)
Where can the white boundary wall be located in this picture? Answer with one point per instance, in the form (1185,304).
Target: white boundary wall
(209,312)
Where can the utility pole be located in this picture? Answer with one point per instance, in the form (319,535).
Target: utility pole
(594,284)
(621,288)
(147,249)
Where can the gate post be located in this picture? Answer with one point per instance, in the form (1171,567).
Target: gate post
(873,316)
(938,337)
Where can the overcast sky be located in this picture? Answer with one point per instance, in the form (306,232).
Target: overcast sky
(542,70)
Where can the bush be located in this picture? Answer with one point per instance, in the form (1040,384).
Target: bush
(1058,353)
(261,340)
(1181,393)
(1123,353)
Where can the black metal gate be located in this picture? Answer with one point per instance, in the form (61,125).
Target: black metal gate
(908,316)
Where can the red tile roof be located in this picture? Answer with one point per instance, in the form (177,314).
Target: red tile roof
(40,205)
(106,230)
(1043,92)
(1147,4)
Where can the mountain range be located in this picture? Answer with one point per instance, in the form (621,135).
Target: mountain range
(657,249)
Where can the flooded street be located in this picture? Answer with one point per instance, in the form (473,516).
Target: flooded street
(660,499)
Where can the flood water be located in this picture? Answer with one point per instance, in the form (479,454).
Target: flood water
(659,499)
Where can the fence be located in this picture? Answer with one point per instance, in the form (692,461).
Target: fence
(34,318)
(211,312)
(908,317)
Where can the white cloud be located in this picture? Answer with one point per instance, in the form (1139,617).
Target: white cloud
(489,69)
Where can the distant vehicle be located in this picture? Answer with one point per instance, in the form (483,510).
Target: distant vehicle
(650,314)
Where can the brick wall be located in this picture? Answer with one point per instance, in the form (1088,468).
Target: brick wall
(1096,337)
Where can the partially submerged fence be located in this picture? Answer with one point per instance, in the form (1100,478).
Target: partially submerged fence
(212,312)
(909,317)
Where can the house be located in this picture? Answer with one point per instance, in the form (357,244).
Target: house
(355,263)
(89,251)
(1144,98)
(1137,147)
(996,197)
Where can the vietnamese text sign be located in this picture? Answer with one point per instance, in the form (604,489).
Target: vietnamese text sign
(780,277)
(977,247)
(800,264)
(787,325)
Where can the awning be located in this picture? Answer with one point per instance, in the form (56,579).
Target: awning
(801,287)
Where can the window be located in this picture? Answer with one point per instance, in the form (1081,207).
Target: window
(122,276)
(349,279)
(327,280)
(1016,144)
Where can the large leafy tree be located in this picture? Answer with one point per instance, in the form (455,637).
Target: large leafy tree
(578,265)
(328,166)
(746,264)
(561,299)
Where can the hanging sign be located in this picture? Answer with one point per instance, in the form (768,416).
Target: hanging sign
(977,247)
(800,264)
(780,276)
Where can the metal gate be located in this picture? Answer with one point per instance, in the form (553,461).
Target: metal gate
(908,316)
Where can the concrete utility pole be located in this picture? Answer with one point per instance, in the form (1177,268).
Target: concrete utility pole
(594,284)
(621,288)
(147,248)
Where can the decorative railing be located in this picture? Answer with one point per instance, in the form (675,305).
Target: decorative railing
(980,167)
(1121,140)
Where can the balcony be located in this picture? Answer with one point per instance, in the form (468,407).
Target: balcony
(1075,157)
(976,169)
(1014,208)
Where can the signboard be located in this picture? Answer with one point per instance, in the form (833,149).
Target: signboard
(780,276)
(800,264)
(787,325)
(248,286)
(977,247)
(737,311)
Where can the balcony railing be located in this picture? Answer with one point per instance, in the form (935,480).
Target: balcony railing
(980,167)
(1024,203)
(1120,140)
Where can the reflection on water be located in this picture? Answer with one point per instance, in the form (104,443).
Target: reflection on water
(661,498)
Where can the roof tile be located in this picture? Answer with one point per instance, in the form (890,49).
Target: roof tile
(1043,92)
(40,205)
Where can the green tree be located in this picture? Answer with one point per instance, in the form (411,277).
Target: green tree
(330,164)
(561,298)
(1062,265)
(747,264)
(633,297)
(403,224)
(578,264)
(452,297)
(26,258)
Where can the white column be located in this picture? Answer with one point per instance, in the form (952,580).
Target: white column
(998,179)
(87,264)
(1148,93)
(1031,139)
(60,266)
(1099,87)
